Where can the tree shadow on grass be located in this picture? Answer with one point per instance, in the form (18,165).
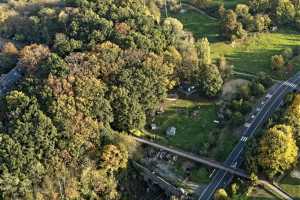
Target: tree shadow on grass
(254,61)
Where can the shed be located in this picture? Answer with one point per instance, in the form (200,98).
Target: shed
(171,131)
(153,127)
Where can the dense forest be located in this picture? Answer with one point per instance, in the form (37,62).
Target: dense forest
(93,71)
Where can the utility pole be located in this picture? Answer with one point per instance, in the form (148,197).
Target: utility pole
(166,9)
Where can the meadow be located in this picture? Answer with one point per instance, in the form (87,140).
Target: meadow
(195,128)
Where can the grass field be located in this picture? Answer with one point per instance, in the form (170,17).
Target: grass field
(229,4)
(291,185)
(196,131)
(260,194)
(252,55)
(255,54)
(199,25)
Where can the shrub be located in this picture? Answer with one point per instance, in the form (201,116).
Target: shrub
(277,62)
(287,53)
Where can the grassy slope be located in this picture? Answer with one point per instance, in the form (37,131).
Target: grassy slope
(255,54)
(199,25)
(229,4)
(292,186)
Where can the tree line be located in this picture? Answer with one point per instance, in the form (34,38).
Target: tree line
(93,70)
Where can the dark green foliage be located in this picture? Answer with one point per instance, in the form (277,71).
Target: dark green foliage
(27,143)
(55,65)
(64,46)
(211,82)
(128,113)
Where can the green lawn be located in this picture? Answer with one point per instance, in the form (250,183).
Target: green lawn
(292,186)
(199,25)
(252,55)
(230,4)
(255,54)
(260,194)
(196,131)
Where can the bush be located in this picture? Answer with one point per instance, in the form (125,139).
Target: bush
(237,119)
(258,89)
(244,91)
(287,53)
(277,62)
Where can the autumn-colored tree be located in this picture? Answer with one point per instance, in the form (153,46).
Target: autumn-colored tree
(113,158)
(277,62)
(32,55)
(277,150)
(221,194)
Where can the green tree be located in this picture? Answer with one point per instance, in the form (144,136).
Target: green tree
(28,143)
(210,81)
(285,12)
(203,50)
(128,113)
(55,65)
(64,46)
(229,24)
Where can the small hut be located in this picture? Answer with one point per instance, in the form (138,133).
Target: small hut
(171,131)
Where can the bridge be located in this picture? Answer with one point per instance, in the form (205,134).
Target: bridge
(195,158)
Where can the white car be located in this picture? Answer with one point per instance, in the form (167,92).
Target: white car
(252,116)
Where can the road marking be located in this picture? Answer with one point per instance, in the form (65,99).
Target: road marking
(268,96)
(244,139)
(225,173)
(290,84)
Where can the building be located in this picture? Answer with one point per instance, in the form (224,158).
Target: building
(171,131)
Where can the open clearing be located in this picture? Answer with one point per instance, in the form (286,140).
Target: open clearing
(254,55)
(250,56)
(292,184)
(195,129)
(199,25)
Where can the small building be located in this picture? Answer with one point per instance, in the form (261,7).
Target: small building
(187,89)
(171,131)
(153,126)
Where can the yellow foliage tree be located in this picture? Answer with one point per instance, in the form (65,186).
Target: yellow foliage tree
(277,150)
(293,113)
(221,194)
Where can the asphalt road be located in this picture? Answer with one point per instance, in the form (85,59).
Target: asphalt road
(221,178)
(8,81)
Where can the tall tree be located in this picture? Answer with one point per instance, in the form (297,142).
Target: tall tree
(277,150)
(203,49)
